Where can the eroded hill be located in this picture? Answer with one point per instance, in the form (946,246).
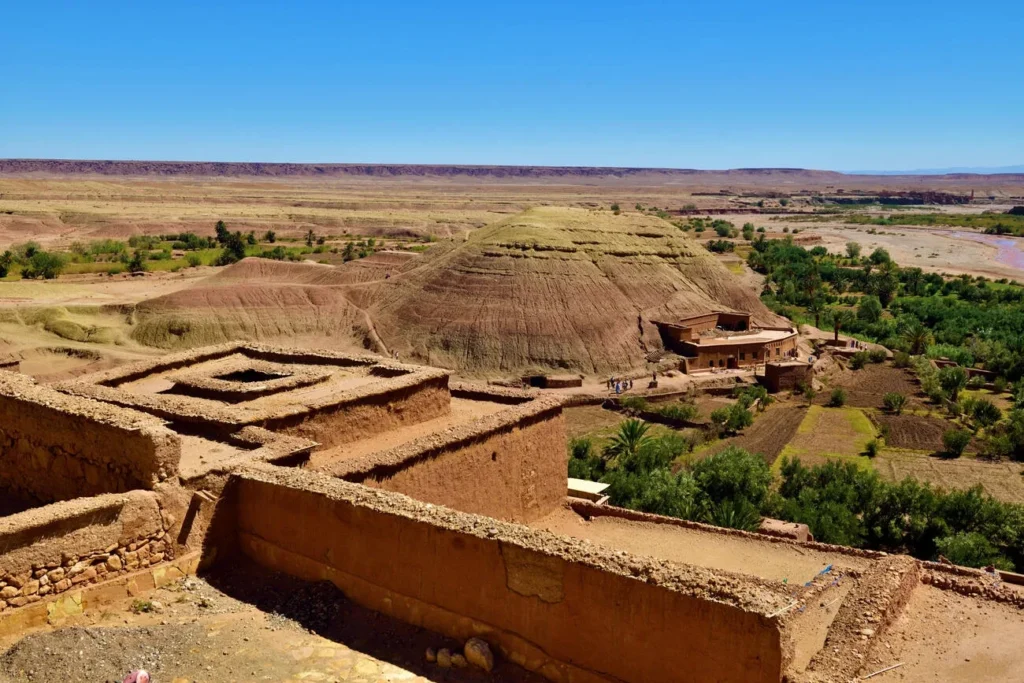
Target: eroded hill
(548,288)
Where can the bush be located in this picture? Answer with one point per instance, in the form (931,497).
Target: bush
(634,404)
(985,412)
(193,260)
(976,382)
(42,264)
(955,442)
(871,448)
(952,379)
(732,419)
(859,360)
(877,355)
(999,385)
(837,399)
(137,264)
(683,412)
(894,402)
(901,359)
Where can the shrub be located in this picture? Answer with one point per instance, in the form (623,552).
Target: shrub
(837,399)
(999,385)
(901,359)
(634,404)
(985,412)
(42,264)
(859,360)
(894,402)
(877,355)
(137,264)
(976,382)
(683,412)
(955,442)
(952,380)
(193,260)
(871,448)
(732,419)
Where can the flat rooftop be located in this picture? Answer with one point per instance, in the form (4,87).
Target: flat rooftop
(735,338)
(743,554)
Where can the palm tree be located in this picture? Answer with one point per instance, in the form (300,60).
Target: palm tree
(841,318)
(916,337)
(632,436)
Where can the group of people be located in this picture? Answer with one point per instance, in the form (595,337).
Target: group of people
(619,385)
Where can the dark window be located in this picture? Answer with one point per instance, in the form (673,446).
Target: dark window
(743,356)
(711,363)
(721,362)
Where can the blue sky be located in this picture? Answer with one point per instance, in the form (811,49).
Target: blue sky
(858,85)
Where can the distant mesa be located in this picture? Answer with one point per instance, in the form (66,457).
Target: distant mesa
(562,288)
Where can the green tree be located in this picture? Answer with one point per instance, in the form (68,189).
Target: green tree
(137,264)
(222,232)
(270,236)
(628,441)
(43,264)
(310,238)
(915,336)
(953,379)
(879,256)
(955,442)
(852,250)
(842,319)
(869,309)
(6,261)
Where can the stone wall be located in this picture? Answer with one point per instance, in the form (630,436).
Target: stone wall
(56,447)
(568,610)
(511,465)
(50,550)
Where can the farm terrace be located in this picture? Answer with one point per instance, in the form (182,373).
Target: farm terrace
(438,504)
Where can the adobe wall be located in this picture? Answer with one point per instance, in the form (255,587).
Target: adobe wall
(511,465)
(569,610)
(56,548)
(368,414)
(57,447)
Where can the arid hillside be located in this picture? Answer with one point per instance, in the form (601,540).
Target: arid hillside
(549,288)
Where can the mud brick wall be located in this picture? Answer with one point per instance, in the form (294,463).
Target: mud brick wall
(69,545)
(553,605)
(510,466)
(367,415)
(56,447)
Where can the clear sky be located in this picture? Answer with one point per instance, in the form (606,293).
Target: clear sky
(824,84)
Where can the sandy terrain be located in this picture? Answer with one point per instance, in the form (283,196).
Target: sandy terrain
(773,561)
(943,636)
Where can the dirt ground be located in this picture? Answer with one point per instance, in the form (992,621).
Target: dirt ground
(247,625)
(943,636)
(1003,480)
(866,387)
(773,561)
(914,432)
(769,434)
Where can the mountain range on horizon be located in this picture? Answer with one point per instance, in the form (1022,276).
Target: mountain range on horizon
(979,170)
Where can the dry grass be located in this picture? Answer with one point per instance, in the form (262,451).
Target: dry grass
(1003,480)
